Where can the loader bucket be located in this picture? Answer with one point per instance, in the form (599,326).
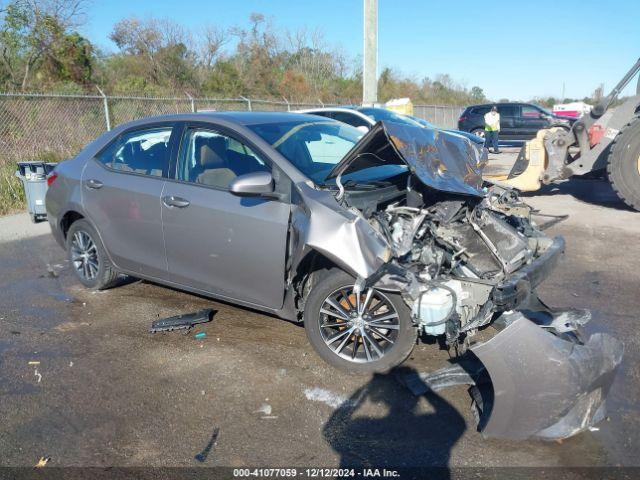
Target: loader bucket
(527,171)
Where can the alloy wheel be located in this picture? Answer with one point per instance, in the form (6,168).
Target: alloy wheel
(359,327)
(84,255)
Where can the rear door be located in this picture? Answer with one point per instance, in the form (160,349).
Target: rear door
(218,242)
(121,190)
(508,115)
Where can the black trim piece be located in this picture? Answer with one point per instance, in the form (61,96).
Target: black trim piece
(516,289)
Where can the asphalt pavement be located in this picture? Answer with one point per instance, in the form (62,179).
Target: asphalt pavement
(82,380)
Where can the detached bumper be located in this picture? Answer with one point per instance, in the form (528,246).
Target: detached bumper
(513,291)
(545,385)
(530,382)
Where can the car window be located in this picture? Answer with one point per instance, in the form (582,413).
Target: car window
(480,110)
(351,119)
(314,148)
(378,114)
(142,151)
(508,110)
(322,114)
(211,158)
(328,148)
(530,112)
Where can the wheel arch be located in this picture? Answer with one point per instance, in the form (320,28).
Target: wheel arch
(70,217)
(73,215)
(307,272)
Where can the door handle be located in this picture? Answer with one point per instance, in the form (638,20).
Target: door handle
(94,184)
(171,201)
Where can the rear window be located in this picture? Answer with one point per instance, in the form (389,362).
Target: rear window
(480,110)
(144,151)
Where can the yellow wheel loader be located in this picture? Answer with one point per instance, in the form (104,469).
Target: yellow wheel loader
(602,139)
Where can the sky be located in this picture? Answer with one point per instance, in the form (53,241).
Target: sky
(516,49)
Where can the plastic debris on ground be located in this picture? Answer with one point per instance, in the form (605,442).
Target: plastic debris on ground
(180,322)
(266,410)
(202,456)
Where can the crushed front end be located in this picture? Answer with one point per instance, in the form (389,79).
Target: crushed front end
(466,255)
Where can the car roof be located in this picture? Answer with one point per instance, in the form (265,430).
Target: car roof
(239,118)
(481,105)
(328,109)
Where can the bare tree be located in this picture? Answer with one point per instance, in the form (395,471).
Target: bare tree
(212,39)
(68,13)
(163,44)
(311,56)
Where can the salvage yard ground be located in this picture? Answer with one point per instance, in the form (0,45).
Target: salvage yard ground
(83,382)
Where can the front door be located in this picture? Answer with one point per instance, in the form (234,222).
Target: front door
(121,190)
(530,121)
(218,242)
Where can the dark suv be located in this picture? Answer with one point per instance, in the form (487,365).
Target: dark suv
(518,121)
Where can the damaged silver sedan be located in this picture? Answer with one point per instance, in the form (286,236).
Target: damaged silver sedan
(372,241)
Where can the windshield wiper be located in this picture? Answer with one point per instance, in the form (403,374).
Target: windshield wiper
(368,185)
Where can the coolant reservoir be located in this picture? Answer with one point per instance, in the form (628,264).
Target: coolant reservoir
(432,307)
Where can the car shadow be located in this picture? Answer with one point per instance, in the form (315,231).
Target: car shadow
(408,436)
(588,190)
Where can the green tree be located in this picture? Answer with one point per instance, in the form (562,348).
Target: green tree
(477,95)
(32,32)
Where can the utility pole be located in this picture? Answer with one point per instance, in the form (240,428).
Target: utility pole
(370,66)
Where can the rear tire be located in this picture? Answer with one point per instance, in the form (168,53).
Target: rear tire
(623,164)
(479,132)
(88,258)
(355,353)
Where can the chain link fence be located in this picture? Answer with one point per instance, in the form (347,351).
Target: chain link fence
(443,116)
(54,127)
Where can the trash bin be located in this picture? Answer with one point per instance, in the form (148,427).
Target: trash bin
(34,179)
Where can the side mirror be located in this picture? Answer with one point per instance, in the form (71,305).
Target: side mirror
(254,184)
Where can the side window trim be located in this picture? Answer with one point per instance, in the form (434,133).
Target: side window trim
(118,138)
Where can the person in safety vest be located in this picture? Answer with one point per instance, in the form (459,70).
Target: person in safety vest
(492,129)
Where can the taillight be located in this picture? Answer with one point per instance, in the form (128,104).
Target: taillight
(462,119)
(51,178)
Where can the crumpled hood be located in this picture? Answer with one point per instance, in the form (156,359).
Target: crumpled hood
(448,163)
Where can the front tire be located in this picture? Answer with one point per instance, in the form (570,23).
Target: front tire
(88,258)
(623,164)
(372,332)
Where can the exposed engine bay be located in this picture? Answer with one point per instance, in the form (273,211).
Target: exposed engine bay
(452,257)
(464,254)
